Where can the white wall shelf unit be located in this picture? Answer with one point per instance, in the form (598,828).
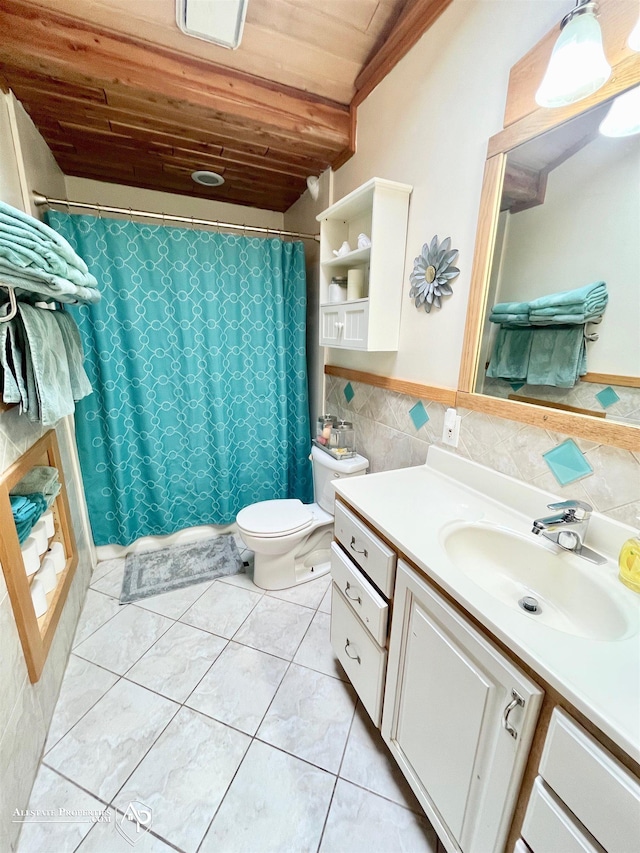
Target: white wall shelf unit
(379,209)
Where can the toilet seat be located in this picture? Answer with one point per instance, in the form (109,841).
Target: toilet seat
(275,518)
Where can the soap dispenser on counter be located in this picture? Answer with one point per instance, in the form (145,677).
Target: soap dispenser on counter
(629,562)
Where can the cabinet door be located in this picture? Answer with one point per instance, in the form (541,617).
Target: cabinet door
(355,319)
(458,716)
(330,325)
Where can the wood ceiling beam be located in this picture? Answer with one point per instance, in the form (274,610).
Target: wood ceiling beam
(414,21)
(43,41)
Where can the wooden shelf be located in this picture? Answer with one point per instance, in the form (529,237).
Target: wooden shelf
(36,635)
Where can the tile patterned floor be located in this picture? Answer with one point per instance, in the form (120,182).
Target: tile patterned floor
(222,709)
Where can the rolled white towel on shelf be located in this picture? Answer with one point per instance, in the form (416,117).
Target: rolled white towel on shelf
(47,575)
(30,556)
(39,598)
(49,524)
(39,533)
(56,552)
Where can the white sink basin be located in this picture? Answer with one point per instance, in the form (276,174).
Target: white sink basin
(578,599)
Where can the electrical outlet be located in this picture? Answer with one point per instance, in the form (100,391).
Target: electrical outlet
(451,429)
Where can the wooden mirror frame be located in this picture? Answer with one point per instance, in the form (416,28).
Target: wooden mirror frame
(524,120)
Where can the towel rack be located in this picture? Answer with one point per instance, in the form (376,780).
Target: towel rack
(13,304)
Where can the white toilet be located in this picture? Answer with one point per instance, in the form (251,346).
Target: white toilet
(290,539)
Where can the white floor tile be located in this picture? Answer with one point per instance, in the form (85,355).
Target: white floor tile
(368,763)
(185,775)
(105,838)
(307,594)
(325,604)
(275,627)
(120,643)
(315,650)
(104,567)
(310,717)
(244,580)
(222,609)
(360,822)
(176,663)
(102,750)
(59,832)
(83,684)
(97,610)
(276,803)
(111,583)
(239,687)
(174,604)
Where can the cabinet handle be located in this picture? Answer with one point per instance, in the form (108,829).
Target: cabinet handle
(346,648)
(351,597)
(516,701)
(352,543)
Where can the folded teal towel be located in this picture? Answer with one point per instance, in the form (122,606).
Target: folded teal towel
(27,254)
(47,284)
(510,319)
(27,510)
(588,296)
(17,222)
(511,351)
(582,305)
(42,357)
(510,308)
(43,480)
(558,356)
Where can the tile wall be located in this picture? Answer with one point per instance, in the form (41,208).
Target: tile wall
(386,435)
(25,708)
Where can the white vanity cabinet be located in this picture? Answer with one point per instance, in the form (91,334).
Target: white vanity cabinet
(458,717)
(584,799)
(379,209)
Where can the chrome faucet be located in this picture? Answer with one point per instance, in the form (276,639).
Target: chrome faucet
(568,529)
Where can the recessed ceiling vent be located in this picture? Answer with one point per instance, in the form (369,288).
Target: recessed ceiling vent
(217,21)
(207,179)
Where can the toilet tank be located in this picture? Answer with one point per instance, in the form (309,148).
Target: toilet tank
(326,470)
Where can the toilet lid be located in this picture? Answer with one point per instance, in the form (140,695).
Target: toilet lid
(274,518)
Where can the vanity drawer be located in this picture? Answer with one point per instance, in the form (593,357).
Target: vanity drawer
(548,825)
(366,549)
(361,596)
(363,660)
(597,788)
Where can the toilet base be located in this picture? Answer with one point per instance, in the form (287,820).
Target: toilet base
(310,560)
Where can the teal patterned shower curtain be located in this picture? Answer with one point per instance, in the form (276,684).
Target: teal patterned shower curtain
(196,354)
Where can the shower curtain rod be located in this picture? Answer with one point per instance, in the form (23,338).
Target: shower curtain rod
(41,200)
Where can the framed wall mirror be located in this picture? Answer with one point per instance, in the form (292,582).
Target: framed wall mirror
(560,213)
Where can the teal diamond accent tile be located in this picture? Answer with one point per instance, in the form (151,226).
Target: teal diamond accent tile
(607,397)
(418,415)
(517,385)
(567,462)
(349,393)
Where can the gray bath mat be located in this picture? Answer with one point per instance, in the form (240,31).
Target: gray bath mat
(154,572)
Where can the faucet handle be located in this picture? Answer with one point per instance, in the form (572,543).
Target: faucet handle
(581,508)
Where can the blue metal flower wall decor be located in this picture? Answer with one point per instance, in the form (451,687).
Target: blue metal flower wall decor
(432,272)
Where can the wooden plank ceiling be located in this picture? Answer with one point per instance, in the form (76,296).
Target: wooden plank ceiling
(121,95)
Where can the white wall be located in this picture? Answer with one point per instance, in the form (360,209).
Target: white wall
(428,124)
(301,217)
(588,229)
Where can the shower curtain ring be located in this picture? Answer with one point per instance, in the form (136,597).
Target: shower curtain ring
(99,209)
(130,215)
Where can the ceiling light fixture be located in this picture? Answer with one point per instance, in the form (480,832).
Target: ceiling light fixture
(578,66)
(207,178)
(218,21)
(623,119)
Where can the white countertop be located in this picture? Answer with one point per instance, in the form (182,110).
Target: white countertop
(410,506)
